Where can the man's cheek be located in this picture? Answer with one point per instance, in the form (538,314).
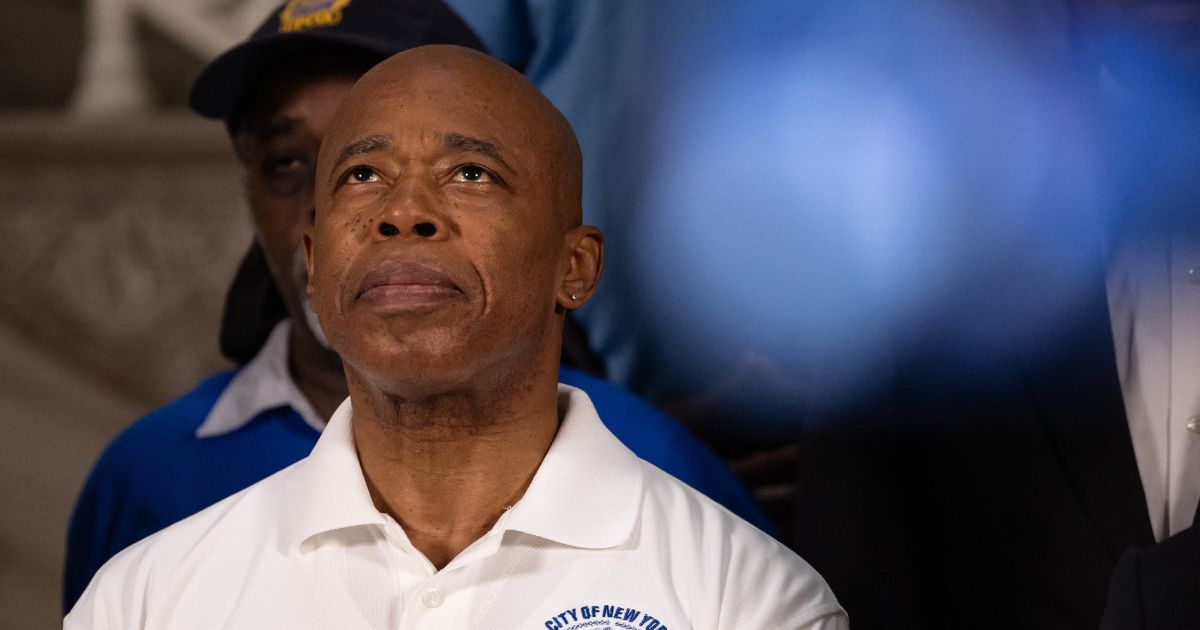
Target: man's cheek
(323,289)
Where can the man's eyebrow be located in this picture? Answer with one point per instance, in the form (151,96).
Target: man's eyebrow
(460,142)
(366,145)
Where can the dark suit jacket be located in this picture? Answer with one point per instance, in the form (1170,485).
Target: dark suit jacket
(993,494)
(1157,588)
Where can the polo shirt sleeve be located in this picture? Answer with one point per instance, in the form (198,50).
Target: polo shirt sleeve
(92,613)
(125,497)
(727,574)
(112,513)
(115,598)
(770,588)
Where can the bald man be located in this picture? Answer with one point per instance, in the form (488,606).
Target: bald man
(459,486)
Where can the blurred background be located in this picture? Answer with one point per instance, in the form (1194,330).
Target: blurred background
(800,181)
(123,225)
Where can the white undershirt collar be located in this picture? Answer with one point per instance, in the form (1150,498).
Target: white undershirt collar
(262,384)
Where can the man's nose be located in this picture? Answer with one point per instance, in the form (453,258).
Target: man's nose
(412,209)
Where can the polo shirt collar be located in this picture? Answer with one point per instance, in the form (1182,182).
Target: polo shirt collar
(327,491)
(587,492)
(262,384)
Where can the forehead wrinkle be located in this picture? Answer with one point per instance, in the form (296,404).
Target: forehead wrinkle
(369,144)
(460,142)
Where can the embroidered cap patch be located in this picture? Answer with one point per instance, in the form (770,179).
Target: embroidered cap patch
(298,15)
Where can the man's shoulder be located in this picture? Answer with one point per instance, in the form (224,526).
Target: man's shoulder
(173,423)
(252,512)
(206,542)
(684,511)
(648,432)
(733,556)
(661,440)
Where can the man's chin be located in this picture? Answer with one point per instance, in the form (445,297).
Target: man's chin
(416,366)
(423,385)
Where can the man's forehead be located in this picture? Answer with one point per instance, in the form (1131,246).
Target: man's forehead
(476,89)
(433,119)
(265,128)
(470,85)
(450,140)
(407,96)
(283,107)
(443,66)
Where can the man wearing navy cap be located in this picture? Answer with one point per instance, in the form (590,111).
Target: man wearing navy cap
(278,92)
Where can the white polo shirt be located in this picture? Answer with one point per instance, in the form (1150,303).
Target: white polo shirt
(601,539)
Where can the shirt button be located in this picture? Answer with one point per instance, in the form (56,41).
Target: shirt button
(432,598)
(1193,425)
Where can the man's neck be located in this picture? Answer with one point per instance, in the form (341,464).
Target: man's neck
(447,467)
(317,371)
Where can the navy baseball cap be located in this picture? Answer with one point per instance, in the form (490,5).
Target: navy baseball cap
(381,27)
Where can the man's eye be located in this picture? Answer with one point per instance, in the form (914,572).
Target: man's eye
(274,166)
(472,173)
(361,175)
(285,173)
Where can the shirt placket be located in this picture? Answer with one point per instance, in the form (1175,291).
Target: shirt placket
(437,599)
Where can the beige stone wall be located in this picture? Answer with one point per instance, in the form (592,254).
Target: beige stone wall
(117,242)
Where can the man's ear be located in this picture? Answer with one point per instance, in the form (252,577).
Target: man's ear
(306,239)
(585,263)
